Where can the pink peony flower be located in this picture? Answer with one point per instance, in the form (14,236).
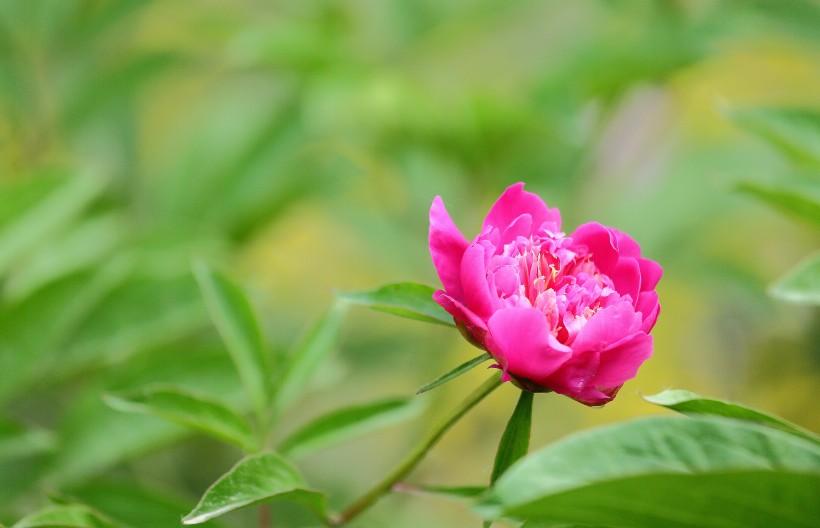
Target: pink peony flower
(569,314)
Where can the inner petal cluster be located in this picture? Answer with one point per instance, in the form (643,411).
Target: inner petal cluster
(546,272)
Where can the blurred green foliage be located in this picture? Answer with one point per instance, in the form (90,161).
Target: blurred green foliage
(299,145)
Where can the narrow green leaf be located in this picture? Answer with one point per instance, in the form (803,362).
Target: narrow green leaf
(796,202)
(256,479)
(67,516)
(456,372)
(794,131)
(236,322)
(666,471)
(346,423)
(406,299)
(307,355)
(516,438)
(801,285)
(450,492)
(187,408)
(689,403)
(17,441)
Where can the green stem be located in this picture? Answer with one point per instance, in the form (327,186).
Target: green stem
(415,456)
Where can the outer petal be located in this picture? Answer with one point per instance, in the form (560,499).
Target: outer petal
(458,310)
(651,273)
(477,295)
(514,202)
(607,327)
(600,242)
(649,308)
(627,277)
(620,363)
(447,246)
(626,244)
(521,341)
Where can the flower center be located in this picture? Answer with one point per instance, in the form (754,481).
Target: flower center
(542,272)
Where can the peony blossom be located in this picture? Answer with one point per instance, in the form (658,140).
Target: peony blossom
(570,314)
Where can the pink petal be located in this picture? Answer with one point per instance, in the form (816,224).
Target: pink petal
(627,277)
(521,341)
(474,281)
(600,243)
(513,203)
(626,244)
(458,310)
(620,363)
(447,246)
(649,309)
(651,273)
(608,326)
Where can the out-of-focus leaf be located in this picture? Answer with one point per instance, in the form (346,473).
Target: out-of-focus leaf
(450,492)
(796,202)
(689,403)
(236,322)
(407,299)
(456,372)
(721,472)
(516,438)
(18,441)
(800,285)
(307,356)
(67,516)
(794,131)
(33,210)
(256,479)
(187,408)
(346,423)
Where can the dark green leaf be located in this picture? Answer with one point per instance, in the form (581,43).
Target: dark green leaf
(666,471)
(187,408)
(68,516)
(346,423)
(406,299)
(255,479)
(800,285)
(453,492)
(796,202)
(794,131)
(308,354)
(516,438)
(689,403)
(234,318)
(456,372)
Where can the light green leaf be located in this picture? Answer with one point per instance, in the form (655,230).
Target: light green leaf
(67,516)
(797,202)
(801,285)
(34,210)
(308,354)
(516,438)
(17,441)
(406,299)
(346,423)
(236,322)
(187,408)
(255,479)
(794,131)
(666,471)
(456,372)
(689,403)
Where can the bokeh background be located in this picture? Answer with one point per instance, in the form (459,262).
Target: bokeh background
(297,145)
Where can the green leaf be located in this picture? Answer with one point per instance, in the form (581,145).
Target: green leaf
(796,202)
(187,408)
(689,403)
(308,354)
(796,132)
(666,471)
(17,441)
(346,423)
(801,285)
(406,299)
(450,492)
(68,516)
(255,479)
(516,438)
(34,210)
(236,322)
(456,372)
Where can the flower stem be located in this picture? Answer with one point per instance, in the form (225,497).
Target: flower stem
(416,455)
